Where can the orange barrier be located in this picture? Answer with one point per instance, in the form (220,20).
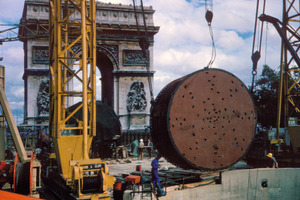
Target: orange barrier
(13,196)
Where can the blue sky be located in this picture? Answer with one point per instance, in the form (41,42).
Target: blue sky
(182,45)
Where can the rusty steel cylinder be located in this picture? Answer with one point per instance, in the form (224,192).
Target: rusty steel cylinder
(205,120)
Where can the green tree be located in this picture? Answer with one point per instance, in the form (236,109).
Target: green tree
(265,96)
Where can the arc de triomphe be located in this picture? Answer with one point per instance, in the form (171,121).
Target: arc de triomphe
(124,76)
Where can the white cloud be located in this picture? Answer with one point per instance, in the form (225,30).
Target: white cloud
(14,105)
(11,11)
(15,54)
(161,79)
(13,57)
(229,40)
(183,42)
(182,61)
(13,61)
(237,15)
(17,92)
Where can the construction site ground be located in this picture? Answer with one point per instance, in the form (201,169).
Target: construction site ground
(171,176)
(240,181)
(237,182)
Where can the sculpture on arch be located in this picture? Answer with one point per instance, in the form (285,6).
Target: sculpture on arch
(43,98)
(136,98)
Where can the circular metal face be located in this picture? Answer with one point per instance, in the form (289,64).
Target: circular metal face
(211,120)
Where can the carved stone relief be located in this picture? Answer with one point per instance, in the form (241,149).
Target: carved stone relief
(133,57)
(136,97)
(40,55)
(43,99)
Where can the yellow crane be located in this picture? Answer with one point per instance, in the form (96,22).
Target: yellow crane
(72,37)
(287,147)
(288,96)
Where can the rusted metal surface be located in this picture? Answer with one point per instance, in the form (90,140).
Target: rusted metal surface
(205,120)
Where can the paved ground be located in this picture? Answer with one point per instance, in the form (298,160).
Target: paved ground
(126,166)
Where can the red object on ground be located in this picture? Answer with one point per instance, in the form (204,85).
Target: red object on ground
(13,196)
(138,168)
(17,160)
(6,171)
(133,179)
(118,186)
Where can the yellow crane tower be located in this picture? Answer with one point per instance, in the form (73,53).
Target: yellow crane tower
(288,96)
(72,37)
(286,146)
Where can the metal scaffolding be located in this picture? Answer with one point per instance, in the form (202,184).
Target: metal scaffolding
(72,57)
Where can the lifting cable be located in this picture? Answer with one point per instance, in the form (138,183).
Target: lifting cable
(209,17)
(256,55)
(266,43)
(144,44)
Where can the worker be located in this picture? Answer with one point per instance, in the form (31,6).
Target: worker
(272,161)
(134,147)
(44,142)
(155,179)
(150,144)
(141,143)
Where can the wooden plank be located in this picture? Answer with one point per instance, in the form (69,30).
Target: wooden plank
(13,127)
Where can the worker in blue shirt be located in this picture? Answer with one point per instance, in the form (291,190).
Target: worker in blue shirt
(155,179)
(272,161)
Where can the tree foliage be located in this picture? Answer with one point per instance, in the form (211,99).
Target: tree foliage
(265,96)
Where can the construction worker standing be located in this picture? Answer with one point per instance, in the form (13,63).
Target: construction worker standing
(272,161)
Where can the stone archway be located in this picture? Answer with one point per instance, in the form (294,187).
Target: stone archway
(105,65)
(120,60)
